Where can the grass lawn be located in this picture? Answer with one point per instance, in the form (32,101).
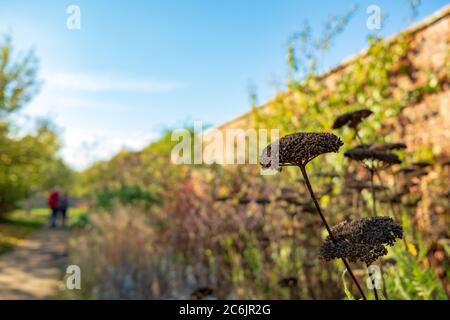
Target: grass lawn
(20,224)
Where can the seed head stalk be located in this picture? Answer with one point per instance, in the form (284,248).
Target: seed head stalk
(372,187)
(374,288)
(324,221)
(396,214)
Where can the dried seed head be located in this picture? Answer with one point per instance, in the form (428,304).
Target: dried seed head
(352,119)
(387,146)
(289,282)
(364,146)
(299,148)
(445,194)
(406,170)
(263,201)
(422,164)
(222,199)
(361,240)
(290,199)
(361,185)
(390,262)
(363,154)
(445,162)
(264,241)
(418,173)
(396,198)
(308,207)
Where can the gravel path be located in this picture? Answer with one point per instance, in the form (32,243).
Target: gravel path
(34,269)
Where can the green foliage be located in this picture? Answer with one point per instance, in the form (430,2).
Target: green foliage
(305,51)
(410,278)
(28,164)
(28,161)
(17,78)
(348,294)
(125,195)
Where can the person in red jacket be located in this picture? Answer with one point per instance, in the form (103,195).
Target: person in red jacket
(53,204)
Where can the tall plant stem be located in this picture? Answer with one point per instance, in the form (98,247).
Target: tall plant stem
(357,136)
(372,187)
(319,210)
(396,214)
(382,280)
(375,293)
(387,195)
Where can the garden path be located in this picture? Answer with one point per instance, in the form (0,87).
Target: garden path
(33,269)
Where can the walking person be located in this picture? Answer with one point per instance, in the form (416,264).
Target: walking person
(63,206)
(53,204)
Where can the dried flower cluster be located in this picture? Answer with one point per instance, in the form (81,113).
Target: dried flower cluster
(406,170)
(363,154)
(387,146)
(413,171)
(289,282)
(396,198)
(361,185)
(361,240)
(421,164)
(352,119)
(300,148)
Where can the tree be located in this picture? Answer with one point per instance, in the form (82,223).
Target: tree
(28,162)
(18,81)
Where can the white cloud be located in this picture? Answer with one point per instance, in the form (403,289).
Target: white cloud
(66,94)
(95,82)
(48,102)
(83,148)
(84,144)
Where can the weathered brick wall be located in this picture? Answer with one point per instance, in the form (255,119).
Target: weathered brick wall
(427,123)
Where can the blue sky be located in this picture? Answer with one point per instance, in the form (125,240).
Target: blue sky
(138,67)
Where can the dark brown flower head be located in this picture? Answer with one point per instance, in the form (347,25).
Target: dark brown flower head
(387,146)
(364,146)
(445,194)
(361,240)
(422,164)
(406,170)
(361,185)
(445,162)
(289,282)
(290,199)
(352,119)
(396,198)
(418,173)
(363,154)
(299,148)
(244,200)
(263,201)
(390,262)
(308,207)
(222,199)
(264,241)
